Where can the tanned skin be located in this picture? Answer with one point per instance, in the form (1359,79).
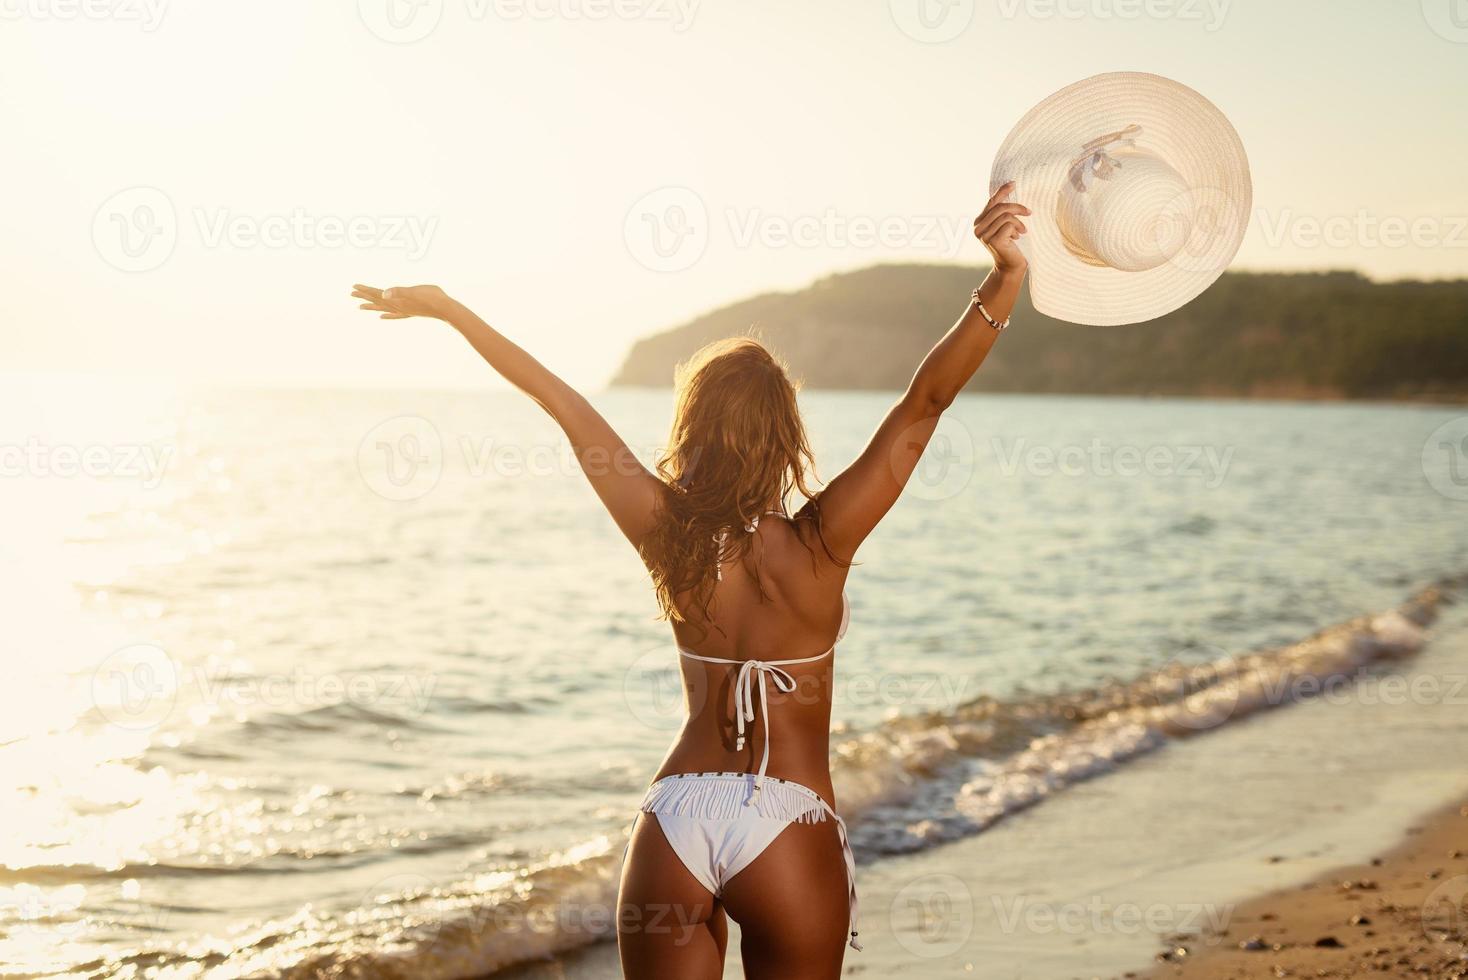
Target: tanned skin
(790,902)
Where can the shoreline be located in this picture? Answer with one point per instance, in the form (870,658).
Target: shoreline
(1414,400)
(1402,914)
(1173,847)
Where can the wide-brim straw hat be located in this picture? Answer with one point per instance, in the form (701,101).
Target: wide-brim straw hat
(1140,195)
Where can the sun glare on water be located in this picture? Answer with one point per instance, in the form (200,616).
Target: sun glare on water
(89,472)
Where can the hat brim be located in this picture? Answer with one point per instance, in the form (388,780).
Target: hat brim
(1180,126)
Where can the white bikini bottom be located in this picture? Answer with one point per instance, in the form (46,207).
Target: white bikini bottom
(718,822)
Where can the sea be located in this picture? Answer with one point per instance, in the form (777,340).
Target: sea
(366,683)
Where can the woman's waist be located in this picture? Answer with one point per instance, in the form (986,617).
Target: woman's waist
(736,796)
(803,762)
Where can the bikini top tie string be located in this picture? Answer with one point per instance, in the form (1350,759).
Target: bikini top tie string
(744,699)
(744,705)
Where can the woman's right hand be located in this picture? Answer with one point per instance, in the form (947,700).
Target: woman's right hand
(1000,228)
(401,302)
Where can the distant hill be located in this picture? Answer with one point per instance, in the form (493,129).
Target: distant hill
(1319,335)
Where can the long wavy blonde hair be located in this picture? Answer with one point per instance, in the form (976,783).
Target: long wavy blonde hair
(737,449)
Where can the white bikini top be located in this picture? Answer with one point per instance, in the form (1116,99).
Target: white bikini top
(765,670)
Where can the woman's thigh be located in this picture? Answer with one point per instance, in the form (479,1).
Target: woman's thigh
(792,905)
(668,925)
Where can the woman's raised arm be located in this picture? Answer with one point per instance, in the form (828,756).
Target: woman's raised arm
(857,499)
(625,486)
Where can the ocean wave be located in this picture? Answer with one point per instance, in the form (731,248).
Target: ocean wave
(917,782)
(911,783)
(408,927)
(336,717)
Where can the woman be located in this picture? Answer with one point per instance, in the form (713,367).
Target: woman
(742,812)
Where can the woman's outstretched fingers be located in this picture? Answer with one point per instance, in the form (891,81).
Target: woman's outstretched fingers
(378,301)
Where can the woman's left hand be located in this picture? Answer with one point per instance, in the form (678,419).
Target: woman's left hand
(401,302)
(999,228)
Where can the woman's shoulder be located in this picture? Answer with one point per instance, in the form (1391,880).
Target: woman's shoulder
(799,560)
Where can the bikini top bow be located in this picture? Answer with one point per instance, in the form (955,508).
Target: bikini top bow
(750,673)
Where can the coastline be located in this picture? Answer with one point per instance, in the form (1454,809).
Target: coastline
(1403,914)
(1174,848)
(1270,396)
(1114,870)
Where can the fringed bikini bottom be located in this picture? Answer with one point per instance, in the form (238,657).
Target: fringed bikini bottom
(718,822)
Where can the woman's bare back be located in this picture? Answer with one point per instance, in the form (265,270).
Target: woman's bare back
(799,616)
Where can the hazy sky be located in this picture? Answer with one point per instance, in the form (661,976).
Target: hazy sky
(192,186)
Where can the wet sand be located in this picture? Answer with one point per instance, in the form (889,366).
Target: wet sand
(1403,914)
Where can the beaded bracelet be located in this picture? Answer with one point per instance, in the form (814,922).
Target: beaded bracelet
(998,327)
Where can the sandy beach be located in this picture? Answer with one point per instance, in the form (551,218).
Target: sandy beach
(1398,915)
